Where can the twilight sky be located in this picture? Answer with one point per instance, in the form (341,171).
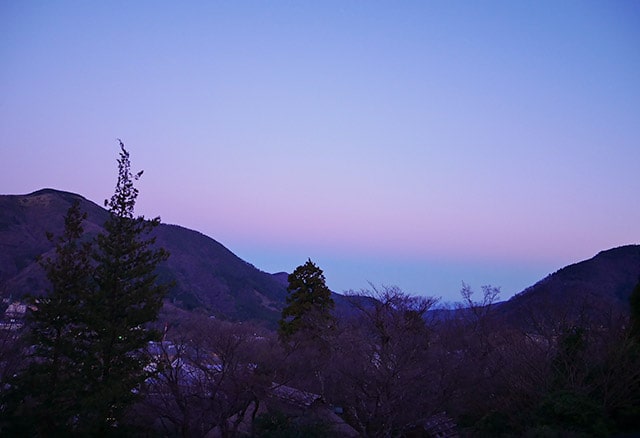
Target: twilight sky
(418,144)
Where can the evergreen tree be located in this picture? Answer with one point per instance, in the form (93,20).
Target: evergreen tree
(127,297)
(43,400)
(309,303)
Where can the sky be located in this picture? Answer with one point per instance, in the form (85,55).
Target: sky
(415,144)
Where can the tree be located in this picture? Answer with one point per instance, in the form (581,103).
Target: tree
(210,379)
(307,328)
(126,299)
(46,393)
(383,369)
(309,303)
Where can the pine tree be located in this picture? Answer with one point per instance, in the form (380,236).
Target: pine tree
(309,303)
(126,299)
(43,399)
(88,334)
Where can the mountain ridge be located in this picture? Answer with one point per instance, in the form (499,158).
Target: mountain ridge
(210,278)
(207,275)
(595,288)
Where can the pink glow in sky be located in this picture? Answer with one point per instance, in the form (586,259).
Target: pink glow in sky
(418,144)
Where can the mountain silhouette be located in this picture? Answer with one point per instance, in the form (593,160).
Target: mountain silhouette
(206,276)
(209,278)
(595,289)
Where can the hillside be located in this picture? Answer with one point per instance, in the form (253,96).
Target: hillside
(594,288)
(209,278)
(206,275)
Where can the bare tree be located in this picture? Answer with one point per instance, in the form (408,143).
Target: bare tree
(208,379)
(381,359)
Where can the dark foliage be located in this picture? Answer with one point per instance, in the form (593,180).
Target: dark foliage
(127,297)
(88,335)
(279,425)
(309,303)
(45,398)
(634,304)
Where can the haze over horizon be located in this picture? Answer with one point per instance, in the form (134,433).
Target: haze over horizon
(418,144)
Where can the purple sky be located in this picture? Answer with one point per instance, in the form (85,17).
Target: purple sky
(418,144)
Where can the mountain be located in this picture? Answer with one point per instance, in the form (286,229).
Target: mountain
(206,275)
(211,279)
(594,288)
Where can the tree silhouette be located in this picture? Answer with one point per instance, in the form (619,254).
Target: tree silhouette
(309,302)
(45,398)
(126,298)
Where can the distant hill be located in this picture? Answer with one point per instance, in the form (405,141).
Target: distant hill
(207,275)
(596,288)
(211,279)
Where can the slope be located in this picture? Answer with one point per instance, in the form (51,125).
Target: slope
(205,275)
(597,288)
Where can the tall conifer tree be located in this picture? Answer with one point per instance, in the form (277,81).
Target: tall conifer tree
(88,334)
(44,399)
(126,299)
